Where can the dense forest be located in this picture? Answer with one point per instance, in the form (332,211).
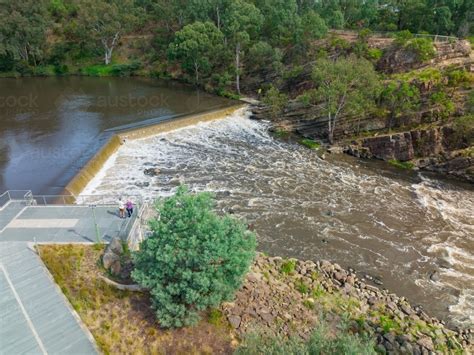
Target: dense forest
(209,42)
(289,53)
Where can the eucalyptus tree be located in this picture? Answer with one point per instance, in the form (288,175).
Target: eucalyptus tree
(104,22)
(241,24)
(196,47)
(23,28)
(345,87)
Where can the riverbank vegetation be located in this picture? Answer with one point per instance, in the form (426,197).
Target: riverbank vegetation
(223,46)
(205,290)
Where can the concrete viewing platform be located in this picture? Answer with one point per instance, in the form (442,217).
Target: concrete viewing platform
(35,317)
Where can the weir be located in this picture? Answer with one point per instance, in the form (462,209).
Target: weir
(87,173)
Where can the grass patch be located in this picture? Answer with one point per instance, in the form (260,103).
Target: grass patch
(281,133)
(288,266)
(124,322)
(322,341)
(301,287)
(97,70)
(309,143)
(406,165)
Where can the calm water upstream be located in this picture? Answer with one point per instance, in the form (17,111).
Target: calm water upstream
(50,127)
(397,226)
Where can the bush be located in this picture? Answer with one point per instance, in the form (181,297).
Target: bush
(422,47)
(275,100)
(321,342)
(406,165)
(309,143)
(464,129)
(125,69)
(194,259)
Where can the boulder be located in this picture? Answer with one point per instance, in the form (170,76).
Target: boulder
(234,321)
(109,258)
(151,172)
(111,261)
(115,246)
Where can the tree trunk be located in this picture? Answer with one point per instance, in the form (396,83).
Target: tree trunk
(330,129)
(218,17)
(237,67)
(109,48)
(196,72)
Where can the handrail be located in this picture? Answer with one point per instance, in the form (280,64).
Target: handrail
(389,34)
(45,200)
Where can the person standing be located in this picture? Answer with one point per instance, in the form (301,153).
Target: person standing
(129,206)
(121,207)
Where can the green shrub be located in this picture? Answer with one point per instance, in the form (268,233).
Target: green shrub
(194,258)
(322,341)
(309,143)
(301,287)
(402,37)
(288,266)
(464,129)
(422,47)
(374,54)
(275,100)
(402,164)
(442,103)
(470,102)
(125,69)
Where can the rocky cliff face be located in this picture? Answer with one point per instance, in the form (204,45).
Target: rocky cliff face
(438,149)
(456,53)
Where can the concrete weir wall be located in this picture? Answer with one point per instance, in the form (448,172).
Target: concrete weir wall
(87,173)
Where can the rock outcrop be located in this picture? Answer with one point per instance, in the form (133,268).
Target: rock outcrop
(286,297)
(112,256)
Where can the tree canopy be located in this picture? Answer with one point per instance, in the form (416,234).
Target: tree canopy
(194,259)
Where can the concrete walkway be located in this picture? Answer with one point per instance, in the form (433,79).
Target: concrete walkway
(35,317)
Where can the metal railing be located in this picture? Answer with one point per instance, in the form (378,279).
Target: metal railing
(29,199)
(15,195)
(138,231)
(387,34)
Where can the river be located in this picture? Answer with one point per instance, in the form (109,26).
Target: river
(50,127)
(395,226)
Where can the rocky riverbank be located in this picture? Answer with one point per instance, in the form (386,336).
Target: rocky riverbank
(290,297)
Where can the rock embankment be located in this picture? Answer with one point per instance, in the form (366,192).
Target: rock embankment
(439,149)
(289,297)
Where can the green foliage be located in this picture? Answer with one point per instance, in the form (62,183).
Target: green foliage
(194,258)
(442,105)
(406,165)
(457,77)
(347,86)
(288,266)
(309,143)
(388,324)
(103,22)
(470,102)
(422,47)
(281,133)
(399,97)
(275,100)
(464,129)
(322,341)
(196,47)
(23,28)
(301,287)
(374,54)
(403,37)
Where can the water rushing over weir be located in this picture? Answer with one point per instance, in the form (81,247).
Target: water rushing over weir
(394,227)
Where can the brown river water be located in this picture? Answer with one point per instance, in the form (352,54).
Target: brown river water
(50,127)
(395,226)
(398,227)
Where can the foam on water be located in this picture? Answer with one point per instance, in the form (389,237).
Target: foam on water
(379,222)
